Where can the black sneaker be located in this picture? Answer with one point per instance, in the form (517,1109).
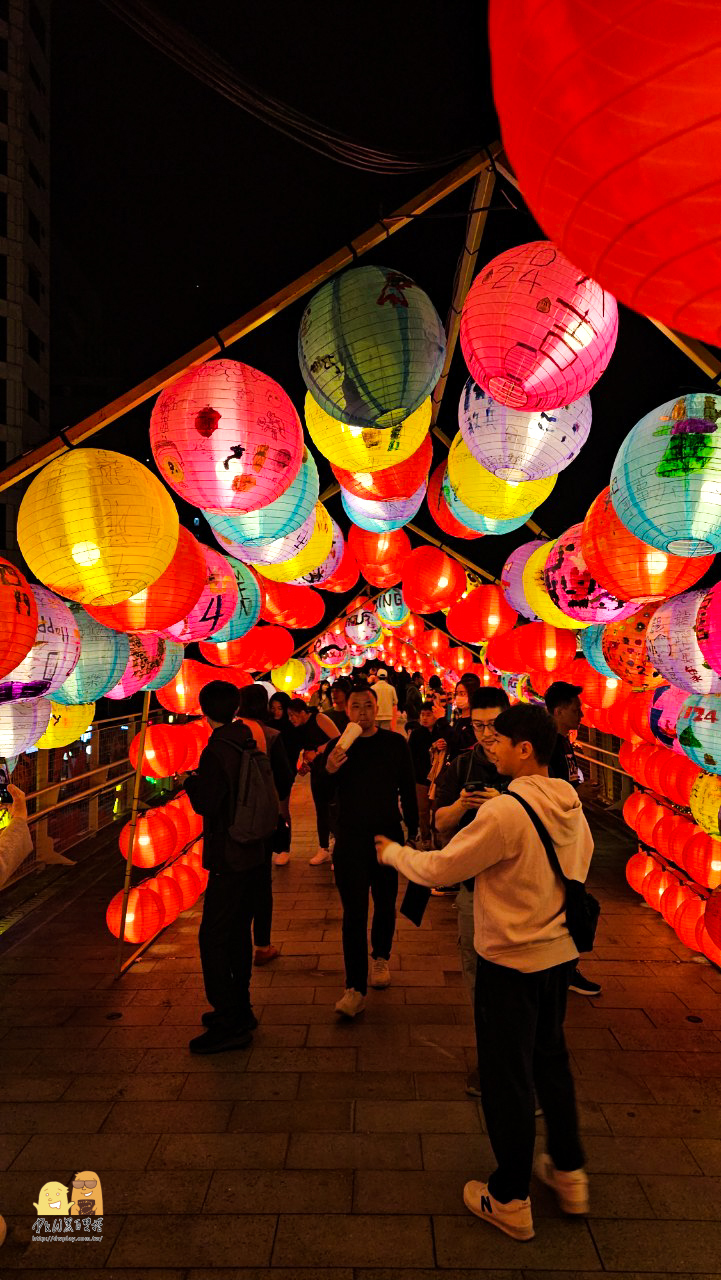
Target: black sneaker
(220,1039)
(248,1022)
(445,891)
(583,986)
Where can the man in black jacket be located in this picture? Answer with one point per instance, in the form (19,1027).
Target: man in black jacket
(236,879)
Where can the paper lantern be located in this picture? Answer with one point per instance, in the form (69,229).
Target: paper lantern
(517,445)
(18,617)
(156,838)
(169,667)
(371,550)
(147,655)
(364,449)
(624,648)
(262,648)
(702,859)
(330,649)
(310,554)
(251,597)
(270,550)
(188,823)
(371,346)
(380,516)
(533,582)
(163,753)
(666,703)
(460,659)
(627,566)
(114,526)
(53,655)
(21,724)
(706,943)
(390,483)
(168,890)
(601,692)
(292,606)
(699,731)
(483,613)
(536,333)
(708,627)
(592,648)
(363,627)
(144,918)
(164,601)
(435,643)
(290,676)
(226,437)
(180,695)
(673,648)
(545,648)
(705,803)
(284,516)
(391,607)
(345,576)
(646,822)
(632,206)
(573,588)
(439,509)
(188,881)
(678,778)
(712,922)
(432,580)
(512,577)
(654,886)
(638,867)
(673,898)
(479,490)
(686,920)
(66,725)
(632,809)
(215,605)
(103,657)
(682,832)
(475,520)
(666,480)
(328,567)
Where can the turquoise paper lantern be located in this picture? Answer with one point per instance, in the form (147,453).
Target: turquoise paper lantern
(371,346)
(103,659)
(592,648)
(391,608)
(382,516)
(170,666)
(283,516)
(698,730)
(666,480)
(474,519)
(247,610)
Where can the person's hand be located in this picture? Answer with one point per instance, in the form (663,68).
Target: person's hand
(336,759)
(19,808)
(474,799)
(382,843)
(439,744)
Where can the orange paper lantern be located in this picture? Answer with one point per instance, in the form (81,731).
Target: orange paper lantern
(432,580)
(165,601)
(145,914)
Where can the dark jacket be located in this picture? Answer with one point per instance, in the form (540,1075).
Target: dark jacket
(283,775)
(413,702)
(377,774)
(563,762)
(212,791)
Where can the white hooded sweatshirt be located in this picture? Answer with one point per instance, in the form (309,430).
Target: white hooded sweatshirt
(518,902)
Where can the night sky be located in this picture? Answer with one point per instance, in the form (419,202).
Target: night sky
(173,211)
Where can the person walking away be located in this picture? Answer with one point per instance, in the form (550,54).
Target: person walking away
(315,731)
(470,781)
(419,745)
(367,781)
(278,716)
(387,700)
(564,704)
(254,708)
(524,952)
(236,870)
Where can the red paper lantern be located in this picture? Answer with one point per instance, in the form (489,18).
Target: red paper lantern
(433,642)
(187,880)
(145,914)
(545,648)
(706,943)
(292,606)
(262,648)
(663,833)
(682,832)
(646,821)
(380,556)
(628,567)
(628,189)
(180,694)
(600,691)
(168,890)
(188,822)
(345,576)
(654,886)
(673,898)
(399,481)
(440,510)
(215,605)
(654,768)
(677,778)
(686,920)
(712,918)
(460,659)
(156,839)
(638,867)
(638,706)
(634,806)
(702,859)
(504,653)
(167,600)
(18,617)
(483,614)
(432,580)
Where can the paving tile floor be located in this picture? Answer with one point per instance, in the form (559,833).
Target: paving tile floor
(340,1150)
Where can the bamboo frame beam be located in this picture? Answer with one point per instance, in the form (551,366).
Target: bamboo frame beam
(28,463)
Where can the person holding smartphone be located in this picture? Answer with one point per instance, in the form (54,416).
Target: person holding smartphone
(15,840)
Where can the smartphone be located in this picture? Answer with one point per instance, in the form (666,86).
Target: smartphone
(5,797)
(474,788)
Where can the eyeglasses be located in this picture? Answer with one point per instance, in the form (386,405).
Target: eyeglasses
(484,726)
(87,1185)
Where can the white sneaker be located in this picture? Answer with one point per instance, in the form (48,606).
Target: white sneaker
(514,1218)
(350,1003)
(570,1187)
(281,859)
(380,974)
(321,856)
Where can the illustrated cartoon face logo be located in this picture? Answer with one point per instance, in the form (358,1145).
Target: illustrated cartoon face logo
(88,1194)
(53,1201)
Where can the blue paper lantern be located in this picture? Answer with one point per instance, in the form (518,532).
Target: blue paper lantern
(378,516)
(592,648)
(698,729)
(170,666)
(666,480)
(516,445)
(391,608)
(247,610)
(103,658)
(283,516)
(371,346)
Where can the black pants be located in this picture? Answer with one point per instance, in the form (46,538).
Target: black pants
(358,872)
(263,914)
(322,814)
(519,1030)
(226,948)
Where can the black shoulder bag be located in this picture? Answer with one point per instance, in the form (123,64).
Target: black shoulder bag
(582,909)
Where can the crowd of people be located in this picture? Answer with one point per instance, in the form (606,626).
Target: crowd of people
(465,795)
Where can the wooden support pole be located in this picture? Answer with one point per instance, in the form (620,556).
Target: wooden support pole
(32,461)
(133,825)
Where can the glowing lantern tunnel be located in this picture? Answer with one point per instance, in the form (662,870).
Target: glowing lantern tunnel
(432,580)
(292,606)
(632,207)
(673,648)
(572,587)
(489,495)
(285,515)
(371,346)
(536,333)
(156,838)
(18,617)
(290,676)
(226,437)
(624,648)
(516,445)
(379,516)
(439,509)
(146,658)
(390,483)
(483,614)
(145,914)
(165,601)
(533,585)
(114,526)
(53,655)
(103,657)
(666,480)
(215,605)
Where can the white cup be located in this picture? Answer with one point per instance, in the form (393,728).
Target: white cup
(349,735)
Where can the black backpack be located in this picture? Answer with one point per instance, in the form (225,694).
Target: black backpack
(257,808)
(582,909)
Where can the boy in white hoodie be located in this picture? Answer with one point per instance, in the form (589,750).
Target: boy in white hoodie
(524,954)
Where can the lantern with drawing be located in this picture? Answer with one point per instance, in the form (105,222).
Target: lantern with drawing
(699,731)
(164,601)
(390,483)
(517,445)
(251,593)
(66,724)
(592,648)
(380,516)
(317,576)
(103,657)
(673,648)
(624,648)
(215,605)
(18,617)
(285,515)
(363,449)
(512,577)
(391,607)
(708,628)
(363,627)
(572,587)
(146,657)
(169,667)
(533,581)
(330,650)
(666,703)
(315,545)
(53,655)
(487,494)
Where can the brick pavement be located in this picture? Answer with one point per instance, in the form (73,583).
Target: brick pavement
(340,1151)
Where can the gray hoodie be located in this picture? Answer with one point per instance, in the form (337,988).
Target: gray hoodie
(518,901)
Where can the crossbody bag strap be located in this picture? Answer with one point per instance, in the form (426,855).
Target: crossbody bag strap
(543,836)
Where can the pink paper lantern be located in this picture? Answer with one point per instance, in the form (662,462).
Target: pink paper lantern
(226,437)
(537,333)
(215,605)
(147,654)
(331,649)
(674,649)
(666,703)
(572,587)
(512,578)
(708,628)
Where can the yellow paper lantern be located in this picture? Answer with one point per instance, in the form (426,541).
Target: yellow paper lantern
(706,803)
(490,496)
(97,527)
(536,594)
(309,557)
(66,724)
(290,676)
(366,449)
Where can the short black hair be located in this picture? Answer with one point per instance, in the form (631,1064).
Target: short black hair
(427,706)
(297,704)
(526,723)
(364,688)
(470,681)
(561,694)
(219,700)
(254,702)
(483,699)
(435,682)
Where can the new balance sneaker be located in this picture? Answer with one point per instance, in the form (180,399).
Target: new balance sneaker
(264,955)
(570,1187)
(319,858)
(583,986)
(380,973)
(514,1218)
(350,1003)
